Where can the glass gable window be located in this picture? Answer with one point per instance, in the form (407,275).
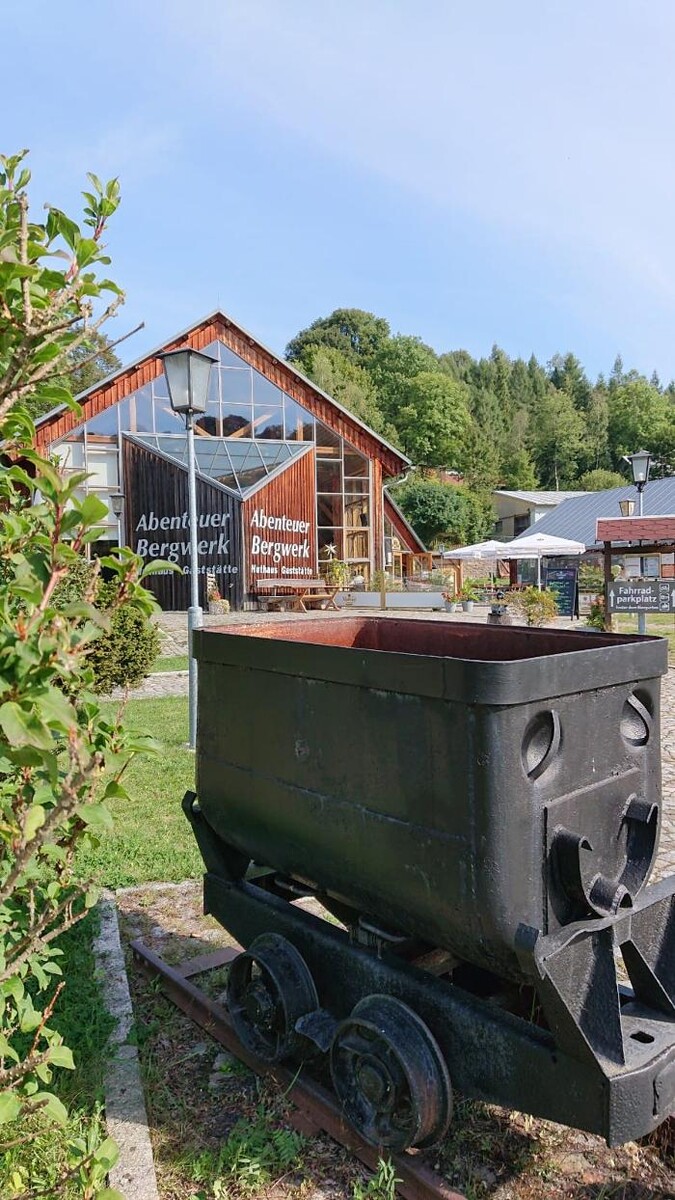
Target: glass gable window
(237,463)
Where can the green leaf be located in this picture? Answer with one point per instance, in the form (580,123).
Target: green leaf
(52,1107)
(107,1154)
(35,819)
(22,728)
(97,817)
(92,510)
(62,1056)
(10,1107)
(160,564)
(109,1194)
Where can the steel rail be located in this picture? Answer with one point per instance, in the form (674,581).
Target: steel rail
(316,1108)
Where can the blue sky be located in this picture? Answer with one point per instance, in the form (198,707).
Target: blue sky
(475,172)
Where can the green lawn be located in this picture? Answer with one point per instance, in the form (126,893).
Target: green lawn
(658,625)
(151,839)
(170,662)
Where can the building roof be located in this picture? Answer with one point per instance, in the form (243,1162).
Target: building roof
(62,420)
(402,521)
(576,518)
(545,498)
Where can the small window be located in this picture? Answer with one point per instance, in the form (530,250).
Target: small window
(235,386)
(355,463)
(329,476)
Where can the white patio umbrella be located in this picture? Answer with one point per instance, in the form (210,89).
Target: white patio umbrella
(482,550)
(542,545)
(489,549)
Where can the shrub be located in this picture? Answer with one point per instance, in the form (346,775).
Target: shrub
(596,616)
(122,656)
(537,606)
(61,757)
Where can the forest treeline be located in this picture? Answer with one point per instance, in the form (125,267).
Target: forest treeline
(498,421)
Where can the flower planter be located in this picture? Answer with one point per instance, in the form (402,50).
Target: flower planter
(467,606)
(219,606)
(451,606)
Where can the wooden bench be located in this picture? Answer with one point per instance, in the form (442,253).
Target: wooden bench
(302,594)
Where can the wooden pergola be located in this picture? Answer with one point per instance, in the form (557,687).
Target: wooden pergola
(632,535)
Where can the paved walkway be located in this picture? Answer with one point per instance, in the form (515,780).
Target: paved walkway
(175,683)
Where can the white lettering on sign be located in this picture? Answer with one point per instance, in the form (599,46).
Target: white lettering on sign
(289,550)
(263,520)
(173,551)
(151,522)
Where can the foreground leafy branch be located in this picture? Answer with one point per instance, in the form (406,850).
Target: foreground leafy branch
(61,758)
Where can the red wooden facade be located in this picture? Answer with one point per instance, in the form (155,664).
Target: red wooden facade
(279,525)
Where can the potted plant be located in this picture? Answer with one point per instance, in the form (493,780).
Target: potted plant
(468,597)
(451,602)
(215,600)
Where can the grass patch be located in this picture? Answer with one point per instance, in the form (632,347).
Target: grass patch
(81,1017)
(34,1151)
(151,839)
(170,662)
(658,625)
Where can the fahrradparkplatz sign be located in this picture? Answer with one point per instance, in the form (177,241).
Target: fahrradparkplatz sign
(641,596)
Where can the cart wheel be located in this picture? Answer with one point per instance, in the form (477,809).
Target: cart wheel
(269,988)
(390,1075)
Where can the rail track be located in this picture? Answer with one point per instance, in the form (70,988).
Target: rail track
(316,1109)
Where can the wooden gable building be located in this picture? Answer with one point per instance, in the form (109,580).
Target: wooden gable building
(286,477)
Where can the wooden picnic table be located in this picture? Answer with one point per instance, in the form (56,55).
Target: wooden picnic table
(303,594)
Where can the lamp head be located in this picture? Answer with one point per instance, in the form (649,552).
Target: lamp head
(640,464)
(187,376)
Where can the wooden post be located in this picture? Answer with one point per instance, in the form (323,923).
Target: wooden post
(607,567)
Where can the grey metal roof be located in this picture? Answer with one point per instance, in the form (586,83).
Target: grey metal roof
(576,518)
(538,497)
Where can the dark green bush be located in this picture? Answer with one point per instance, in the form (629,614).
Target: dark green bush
(124,656)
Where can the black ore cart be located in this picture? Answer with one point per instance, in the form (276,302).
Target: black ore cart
(433,841)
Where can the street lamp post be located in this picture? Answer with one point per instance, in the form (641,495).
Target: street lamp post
(640,464)
(187,377)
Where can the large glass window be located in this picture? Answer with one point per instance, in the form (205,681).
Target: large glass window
(237,420)
(329,476)
(330,544)
(268,422)
(235,387)
(298,423)
(328,444)
(329,510)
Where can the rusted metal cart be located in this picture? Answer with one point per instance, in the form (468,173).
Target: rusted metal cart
(475,811)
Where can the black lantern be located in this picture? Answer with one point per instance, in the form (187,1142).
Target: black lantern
(187,376)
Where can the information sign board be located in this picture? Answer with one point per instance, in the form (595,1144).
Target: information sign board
(562,581)
(641,596)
